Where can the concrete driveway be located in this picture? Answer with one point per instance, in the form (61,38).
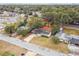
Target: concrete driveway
(29,38)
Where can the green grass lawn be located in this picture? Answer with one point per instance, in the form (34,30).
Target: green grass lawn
(71,31)
(46,42)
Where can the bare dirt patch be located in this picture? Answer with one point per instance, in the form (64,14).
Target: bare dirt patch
(4,46)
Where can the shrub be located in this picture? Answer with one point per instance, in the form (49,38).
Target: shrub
(22,32)
(55,40)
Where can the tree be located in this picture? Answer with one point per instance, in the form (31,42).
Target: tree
(10,28)
(61,14)
(22,31)
(49,16)
(38,24)
(55,29)
(22,23)
(65,19)
(33,20)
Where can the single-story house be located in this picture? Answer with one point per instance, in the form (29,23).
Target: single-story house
(45,31)
(68,38)
(74,40)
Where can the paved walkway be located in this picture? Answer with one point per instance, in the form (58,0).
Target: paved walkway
(32,47)
(29,38)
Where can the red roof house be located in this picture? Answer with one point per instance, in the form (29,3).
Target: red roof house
(46,28)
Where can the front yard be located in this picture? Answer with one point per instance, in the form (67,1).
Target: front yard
(71,31)
(9,49)
(46,42)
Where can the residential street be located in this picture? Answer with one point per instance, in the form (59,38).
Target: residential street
(32,47)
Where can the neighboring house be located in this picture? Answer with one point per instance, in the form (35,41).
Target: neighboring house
(38,14)
(11,19)
(45,31)
(22,15)
(75,40)
(63,37)
(12,14)
(68,38)
(8,19)
(5,13)
(8,14)
(35,13)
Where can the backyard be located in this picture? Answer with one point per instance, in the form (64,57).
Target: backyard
(9,49)
(46,42)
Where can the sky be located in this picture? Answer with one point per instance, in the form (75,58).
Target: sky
(39,1)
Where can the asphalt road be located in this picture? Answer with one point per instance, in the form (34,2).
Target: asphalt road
(32,47)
